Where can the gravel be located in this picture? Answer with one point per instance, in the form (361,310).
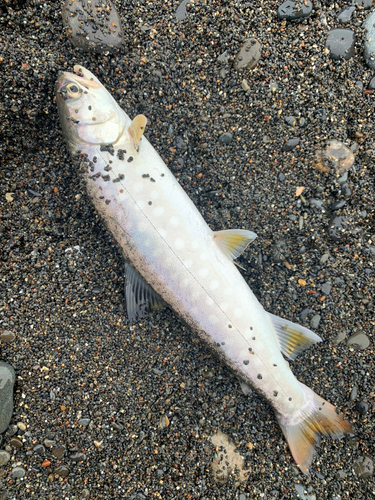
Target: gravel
(62,278)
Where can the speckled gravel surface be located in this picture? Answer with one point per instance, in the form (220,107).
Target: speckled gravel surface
(107,410)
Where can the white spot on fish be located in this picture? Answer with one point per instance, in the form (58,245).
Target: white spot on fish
(179,244)
(237,312)
(173,221)
(159,211)
(137,188)
(214,284)
(203,272)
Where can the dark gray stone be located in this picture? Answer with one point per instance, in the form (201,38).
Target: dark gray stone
(62,471)
(371,85)
(249,54)
(340,43)
(362,407)
(7,379)
(4,457)
(326,288)
(369,44)
(293,11)
(18,472)
(84,421)
(364,467)
(315,320)
(93,25)
(225,138)
(345,15)
(291,144)
(366,4)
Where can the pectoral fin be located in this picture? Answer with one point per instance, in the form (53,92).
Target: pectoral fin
(233,241)
(136,129)
(140,297)
(293,338)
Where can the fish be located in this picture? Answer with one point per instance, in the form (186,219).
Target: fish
(173,259)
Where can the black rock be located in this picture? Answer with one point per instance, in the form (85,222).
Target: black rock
(225,138)
(291,144)
(362,407)
(293,11)
(340,43)
(338,205)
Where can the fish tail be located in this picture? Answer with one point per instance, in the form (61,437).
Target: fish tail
(302,431)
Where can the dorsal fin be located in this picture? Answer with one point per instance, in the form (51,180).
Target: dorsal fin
(293,338)
(136,129)
(139,296)
(233,241)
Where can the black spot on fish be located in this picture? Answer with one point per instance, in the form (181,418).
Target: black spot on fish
(107,168)
(251,328)
(275,393)
(152,180)
(162,175)
(290,399)
(95,176)
(116,180)
(145,176)
(121,177)
(274,365)
(121,153)
(94,159)
(90,108)
(218,344)
(110,161)
(250,349)
(253,338)
(246,362)
(259,376)
(107,202)
(101,197)
(130,159)
(109,148)
(150,202)
(106,178)
(223,343)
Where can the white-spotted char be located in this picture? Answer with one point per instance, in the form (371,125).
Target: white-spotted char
(174,258)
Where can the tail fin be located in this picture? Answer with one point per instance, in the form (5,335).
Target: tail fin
(319,417)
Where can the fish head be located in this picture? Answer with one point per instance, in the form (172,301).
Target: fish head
(88,113)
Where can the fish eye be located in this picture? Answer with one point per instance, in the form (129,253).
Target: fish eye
(71,91)
(73,88)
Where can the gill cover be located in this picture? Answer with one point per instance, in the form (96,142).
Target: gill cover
(88,112)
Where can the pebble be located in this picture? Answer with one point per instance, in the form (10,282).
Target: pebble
(84,421)
(326,288)
(358,341)
(6,336)
(226,138)
(18,472)
(291,144)
(294,10)
(7,379)
(78,457)
(315,320)
(16,442)
(290,120)
(364,467)
(339,337)
(346,14)
(369,43)
(362,407)
(338,205)
(58,452)
(21,426)
(366,4)
(4,457)
(371,85)
(40,449)
(93,25)
(340,43)
(336,156)
(181,10)
(249,54)
(245,86)
(353,393)
(62,470)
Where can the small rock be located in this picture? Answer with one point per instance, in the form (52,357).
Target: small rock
(326,288)
(4,457)
(339,338)
(340,43)
(362,407)
(345,15)
(291,144)
(281,177)
(358,341)
(84,421)
(18,472)
(294,10)
(85,493)
(181,10)
(62,471)
(364,467)
(58,452)
(21,426)
(354,393)
(40,449)
(371,85)
(249,54)
(369,44)
(93,25)
(7,379)
(366,4)
(16,442)
(290,120)
(324,258)
(6,336)
(78,457)
(337,205)
(245,85)
(164,422)
(225,138)
(315,320)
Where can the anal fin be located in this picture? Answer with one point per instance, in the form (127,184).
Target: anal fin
(139,296)
(293,338)
(233,241)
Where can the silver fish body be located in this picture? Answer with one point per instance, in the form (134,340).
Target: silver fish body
(184,262)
